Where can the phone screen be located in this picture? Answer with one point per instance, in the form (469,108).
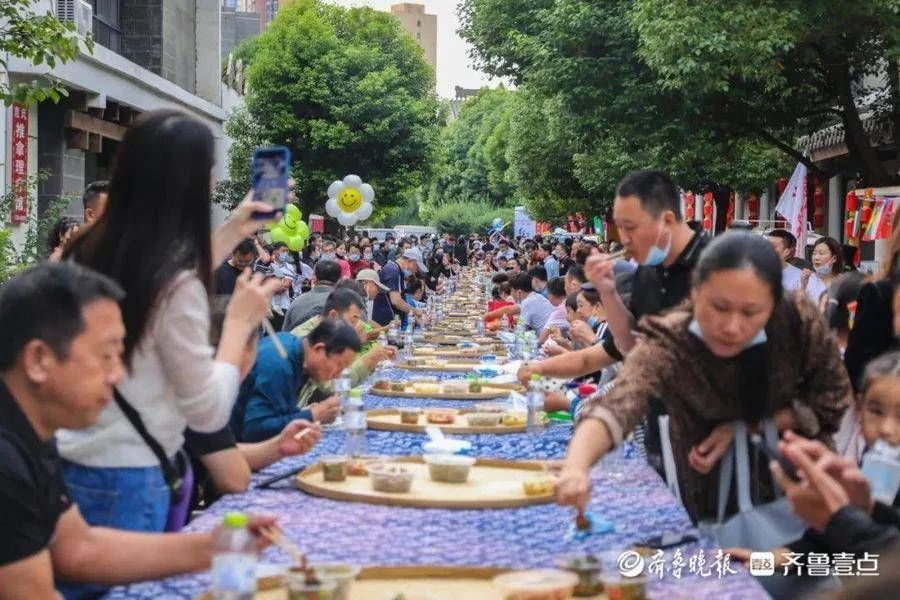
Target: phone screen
(269,172)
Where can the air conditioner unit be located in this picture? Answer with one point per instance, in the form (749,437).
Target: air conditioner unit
(81,12)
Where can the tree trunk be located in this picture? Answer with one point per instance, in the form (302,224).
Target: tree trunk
(859,146)
(894,83)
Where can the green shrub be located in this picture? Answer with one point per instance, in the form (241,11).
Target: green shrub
(460,218)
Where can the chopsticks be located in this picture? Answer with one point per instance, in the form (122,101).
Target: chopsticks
(270,331)
(272,480)
(614,256)
(275,536)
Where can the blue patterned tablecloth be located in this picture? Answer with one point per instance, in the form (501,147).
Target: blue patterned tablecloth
(626,492)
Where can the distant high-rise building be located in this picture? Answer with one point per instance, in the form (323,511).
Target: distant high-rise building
(420,25)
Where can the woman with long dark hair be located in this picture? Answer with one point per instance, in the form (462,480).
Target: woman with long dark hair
(739,352)
(154,240)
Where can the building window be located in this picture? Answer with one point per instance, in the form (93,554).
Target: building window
(419,35)
(107,24)
(418,23)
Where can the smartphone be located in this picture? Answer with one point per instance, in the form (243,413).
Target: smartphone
(669,540)
(787,466)
(269,172)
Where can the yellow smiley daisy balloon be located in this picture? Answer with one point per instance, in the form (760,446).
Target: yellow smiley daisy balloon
(350,200)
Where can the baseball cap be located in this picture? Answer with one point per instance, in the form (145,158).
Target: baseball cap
(414,254)
(371,275)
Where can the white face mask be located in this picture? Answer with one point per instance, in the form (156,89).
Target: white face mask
(759,338)
(657,254)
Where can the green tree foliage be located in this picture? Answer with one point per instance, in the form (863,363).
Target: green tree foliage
(348,92)
(465,217)
(41,39)
(601,101)
(471,164)
(12,261)
(771,69)
(600,106)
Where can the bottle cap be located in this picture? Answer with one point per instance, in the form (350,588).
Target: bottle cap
(235,520)
(356,393)
(535,377)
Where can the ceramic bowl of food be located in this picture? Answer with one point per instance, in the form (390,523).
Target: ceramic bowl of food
(479,419)
(334,468)
(449,468)
(625,588)
(392,478)
(539,584)
(382,384)
(410,416)
(300,588)
(398,386)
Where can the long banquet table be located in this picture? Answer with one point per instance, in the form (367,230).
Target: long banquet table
(625,491)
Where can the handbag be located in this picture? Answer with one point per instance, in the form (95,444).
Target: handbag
(760,526)
(179,477)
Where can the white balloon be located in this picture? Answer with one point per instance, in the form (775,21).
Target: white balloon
(368,193)
(346,219)
(352,181)
(331,207)
(365,211)
(334,189)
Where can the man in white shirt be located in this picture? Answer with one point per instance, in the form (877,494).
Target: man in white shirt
(792,278)
(535,309)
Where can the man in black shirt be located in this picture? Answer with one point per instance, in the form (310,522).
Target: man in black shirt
(227,274)
(647,212)
(60,360)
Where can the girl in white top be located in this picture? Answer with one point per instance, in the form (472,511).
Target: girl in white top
(154,239)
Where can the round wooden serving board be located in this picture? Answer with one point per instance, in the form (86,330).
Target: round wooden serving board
(389,420)
(493,483)
(433,582)
(488,393)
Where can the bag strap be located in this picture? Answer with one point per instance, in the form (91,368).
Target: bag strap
(173,479)
(726,470)
(770,432)
(742,464)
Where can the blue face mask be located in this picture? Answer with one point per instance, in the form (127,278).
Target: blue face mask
(657,254)
(759,338)
(329,256)
(407,273)
(354,257)
(824,269)
(593,321)
(282,258)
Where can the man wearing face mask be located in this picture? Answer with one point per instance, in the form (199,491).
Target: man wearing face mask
(647,213)
(393,275)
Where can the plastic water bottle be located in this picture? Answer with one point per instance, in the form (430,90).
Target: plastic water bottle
(234,560)
(355,424)
(342,388)
(479,327)
(534,405)
(408,341)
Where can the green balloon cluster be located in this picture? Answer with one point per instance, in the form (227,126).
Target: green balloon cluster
(291,229)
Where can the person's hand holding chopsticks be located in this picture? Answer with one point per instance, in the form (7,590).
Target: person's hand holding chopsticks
(598,270)
(298,437)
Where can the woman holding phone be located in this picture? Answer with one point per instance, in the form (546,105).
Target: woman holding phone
(739,351)
(155,240)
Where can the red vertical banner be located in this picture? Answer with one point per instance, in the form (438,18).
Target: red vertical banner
(19,162)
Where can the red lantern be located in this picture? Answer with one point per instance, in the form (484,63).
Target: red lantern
(865,215)
(753,209)
(851,204)
(729,216)
(818,204)
(707,211)
(689,212)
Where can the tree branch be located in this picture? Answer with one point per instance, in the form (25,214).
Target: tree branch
(787,149)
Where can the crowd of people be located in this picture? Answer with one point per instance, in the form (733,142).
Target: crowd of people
(137,384)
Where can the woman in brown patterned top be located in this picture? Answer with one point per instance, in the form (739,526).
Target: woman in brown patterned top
(738,351)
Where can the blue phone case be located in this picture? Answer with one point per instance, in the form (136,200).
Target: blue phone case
(270,170)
